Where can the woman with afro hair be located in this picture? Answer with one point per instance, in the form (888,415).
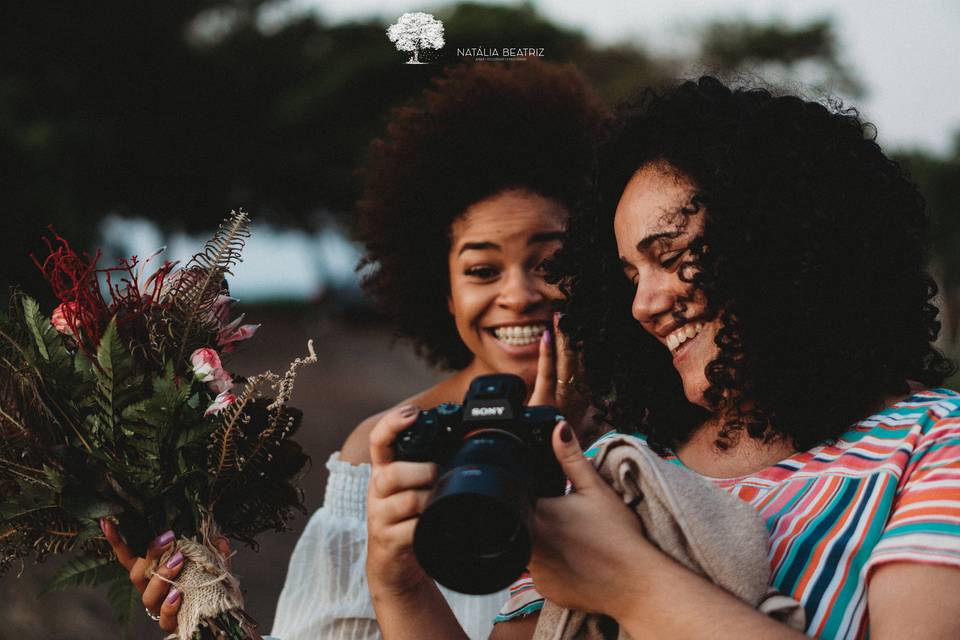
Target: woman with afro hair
(464,201)
(748,296)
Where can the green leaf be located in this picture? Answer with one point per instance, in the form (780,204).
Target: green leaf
(23,504)
(114,379)
(125,602)
(81,502)
(48,341)
(194,434)
(34,320)
(54,477)
(87,570)
(84,367)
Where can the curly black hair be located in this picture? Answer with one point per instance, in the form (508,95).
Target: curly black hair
(812,255)
(481,129)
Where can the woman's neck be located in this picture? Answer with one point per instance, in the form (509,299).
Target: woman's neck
(745,455)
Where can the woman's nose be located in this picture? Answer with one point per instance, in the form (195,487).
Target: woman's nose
(653,297)
(520,291)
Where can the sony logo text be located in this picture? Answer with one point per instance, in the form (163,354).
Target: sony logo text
(486,411)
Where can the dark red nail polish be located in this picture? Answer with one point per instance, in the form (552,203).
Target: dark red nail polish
(565,434)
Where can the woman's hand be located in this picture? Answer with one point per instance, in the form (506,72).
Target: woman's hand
(158,596)
(396,497)
(558,371)
(588,543)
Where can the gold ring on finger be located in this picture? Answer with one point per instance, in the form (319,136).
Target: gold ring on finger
(152,617)
(568,381)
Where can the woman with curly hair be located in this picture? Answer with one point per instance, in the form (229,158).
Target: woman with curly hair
(749,297)
(464,201)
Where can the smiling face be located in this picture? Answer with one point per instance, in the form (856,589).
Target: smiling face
(498,298)
(655,222)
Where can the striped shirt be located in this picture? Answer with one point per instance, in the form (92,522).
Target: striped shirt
(887,490)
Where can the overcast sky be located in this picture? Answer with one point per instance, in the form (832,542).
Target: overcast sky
(906,53)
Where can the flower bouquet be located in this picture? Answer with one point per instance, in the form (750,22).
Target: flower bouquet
(118,406)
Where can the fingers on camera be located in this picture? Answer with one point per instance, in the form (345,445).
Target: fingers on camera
(386,430)
(403,475)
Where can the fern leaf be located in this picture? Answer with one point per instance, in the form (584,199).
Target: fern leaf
(225,458)
(87,570)
(200,282)
(48,341)
(113,377)
(124,601)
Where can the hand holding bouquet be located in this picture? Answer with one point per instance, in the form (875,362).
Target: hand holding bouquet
(118,406)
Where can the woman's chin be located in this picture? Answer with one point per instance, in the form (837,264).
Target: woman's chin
(694,390)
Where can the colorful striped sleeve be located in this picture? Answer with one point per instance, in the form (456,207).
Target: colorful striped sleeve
(924,525)
(524,600)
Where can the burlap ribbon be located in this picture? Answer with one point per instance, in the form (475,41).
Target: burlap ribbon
(208,589)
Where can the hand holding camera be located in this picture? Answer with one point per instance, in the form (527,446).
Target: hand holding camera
(493,458)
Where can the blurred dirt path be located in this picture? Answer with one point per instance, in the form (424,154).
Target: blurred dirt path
(359,374)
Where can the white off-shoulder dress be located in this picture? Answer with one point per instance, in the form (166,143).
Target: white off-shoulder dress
(325,594)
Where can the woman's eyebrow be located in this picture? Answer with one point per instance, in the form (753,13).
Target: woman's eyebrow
(477,246)
(645,242)
(546,236)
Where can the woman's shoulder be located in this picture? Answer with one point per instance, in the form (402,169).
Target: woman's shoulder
(356,448)
(924,412)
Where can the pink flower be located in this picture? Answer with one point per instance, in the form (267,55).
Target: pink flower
(221,402)
(63,315)
(222,381)
(207,368)
(205,362)
(234,332)
(221,310)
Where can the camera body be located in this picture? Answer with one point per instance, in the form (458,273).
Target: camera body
(495,458)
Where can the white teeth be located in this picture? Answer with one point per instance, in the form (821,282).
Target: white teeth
(520,334)
(684,333)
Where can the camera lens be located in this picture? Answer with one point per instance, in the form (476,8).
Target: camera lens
(473,535)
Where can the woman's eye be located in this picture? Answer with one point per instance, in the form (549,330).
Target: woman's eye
(481,272)
(672,258)
(541,269)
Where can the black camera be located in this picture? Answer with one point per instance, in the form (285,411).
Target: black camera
(495,460)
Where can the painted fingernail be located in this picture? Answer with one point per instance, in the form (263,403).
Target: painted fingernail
(546,337)
(565,434)
(173,596)
(164,539)
(174,560)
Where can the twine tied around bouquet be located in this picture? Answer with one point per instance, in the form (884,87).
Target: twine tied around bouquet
(208,589)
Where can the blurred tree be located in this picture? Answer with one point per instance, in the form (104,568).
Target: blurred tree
(939,180)
(777,50)
(181,111)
